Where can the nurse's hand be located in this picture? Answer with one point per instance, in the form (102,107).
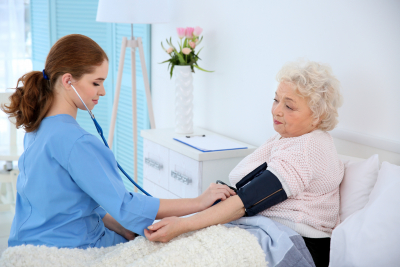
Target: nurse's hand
(213,193)
(165,230)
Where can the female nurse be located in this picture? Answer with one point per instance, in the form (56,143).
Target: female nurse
(70,193)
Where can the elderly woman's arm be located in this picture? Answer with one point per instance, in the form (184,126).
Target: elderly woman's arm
(259,190)
(185,206)
(224,212)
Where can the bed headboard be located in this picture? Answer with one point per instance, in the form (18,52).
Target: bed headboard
(361,145)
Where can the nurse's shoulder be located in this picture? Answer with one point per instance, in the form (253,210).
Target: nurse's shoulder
(61,126)
(57,135)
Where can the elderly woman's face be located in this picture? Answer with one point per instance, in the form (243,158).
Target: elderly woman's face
(291,115)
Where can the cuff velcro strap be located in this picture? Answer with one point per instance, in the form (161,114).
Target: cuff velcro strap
(261,192)
(251,175)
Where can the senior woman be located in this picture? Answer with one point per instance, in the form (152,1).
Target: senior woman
(301,164)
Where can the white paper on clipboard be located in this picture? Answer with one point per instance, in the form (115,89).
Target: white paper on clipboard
(210,143)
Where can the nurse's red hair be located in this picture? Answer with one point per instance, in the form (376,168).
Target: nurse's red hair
(75,54)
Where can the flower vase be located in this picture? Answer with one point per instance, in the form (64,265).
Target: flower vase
(183,100)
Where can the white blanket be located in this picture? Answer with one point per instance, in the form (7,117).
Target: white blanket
(212,246)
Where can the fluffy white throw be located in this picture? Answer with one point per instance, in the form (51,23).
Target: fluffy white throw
(212,246)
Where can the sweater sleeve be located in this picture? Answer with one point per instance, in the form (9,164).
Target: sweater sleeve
(249,163)
(295,164)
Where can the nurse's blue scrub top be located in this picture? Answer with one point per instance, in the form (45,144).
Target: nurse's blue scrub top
(65,175)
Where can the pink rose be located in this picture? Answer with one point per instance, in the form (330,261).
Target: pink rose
(192,44)
(186,50)
(181,32)
(169,50)
(189,32)
(197,31)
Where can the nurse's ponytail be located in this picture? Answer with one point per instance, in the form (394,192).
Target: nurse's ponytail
(75,54)
(30,103)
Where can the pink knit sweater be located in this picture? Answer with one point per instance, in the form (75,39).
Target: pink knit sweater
(310,172)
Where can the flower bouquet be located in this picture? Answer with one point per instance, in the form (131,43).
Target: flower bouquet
(186,55)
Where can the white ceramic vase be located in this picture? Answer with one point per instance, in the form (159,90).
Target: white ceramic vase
(183,99)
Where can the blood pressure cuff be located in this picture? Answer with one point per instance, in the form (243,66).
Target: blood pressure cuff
(260,190)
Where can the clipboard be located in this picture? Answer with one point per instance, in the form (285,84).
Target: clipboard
(210,143)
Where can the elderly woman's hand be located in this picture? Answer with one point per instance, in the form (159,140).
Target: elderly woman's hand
(166,229)
(213,193)
(170,227)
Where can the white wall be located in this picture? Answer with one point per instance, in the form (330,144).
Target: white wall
(247,42)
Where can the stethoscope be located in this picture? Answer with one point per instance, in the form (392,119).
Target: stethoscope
(100,131)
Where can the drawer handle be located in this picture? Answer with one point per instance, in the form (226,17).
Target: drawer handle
(153,163)
(180,177)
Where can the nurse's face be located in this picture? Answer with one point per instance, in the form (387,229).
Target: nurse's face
(90,87)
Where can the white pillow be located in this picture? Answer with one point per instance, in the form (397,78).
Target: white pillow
(358,181)
(371,236)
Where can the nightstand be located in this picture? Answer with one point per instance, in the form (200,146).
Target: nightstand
(174,170)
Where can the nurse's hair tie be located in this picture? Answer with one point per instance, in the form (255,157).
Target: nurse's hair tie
(45,76)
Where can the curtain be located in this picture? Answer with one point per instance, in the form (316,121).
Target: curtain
(14,57)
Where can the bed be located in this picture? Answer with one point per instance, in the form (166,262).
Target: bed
(368,234)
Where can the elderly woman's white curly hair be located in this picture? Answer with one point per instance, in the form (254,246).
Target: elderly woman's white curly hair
(319,86)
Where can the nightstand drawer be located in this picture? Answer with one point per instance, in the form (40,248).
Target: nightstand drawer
(184,175)
(186,172)
(155,164)
(157,191)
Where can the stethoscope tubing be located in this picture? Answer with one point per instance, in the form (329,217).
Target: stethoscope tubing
(100,131)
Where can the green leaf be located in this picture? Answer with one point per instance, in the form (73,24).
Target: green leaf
(185,44)
(180,47)
(181,59)
(170,44)
(197,66)
(175,60)
(165,61)
(172,69)
(163,47)
(201,39)
(199,51)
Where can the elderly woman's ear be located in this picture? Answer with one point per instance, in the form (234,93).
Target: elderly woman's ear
(316,123)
